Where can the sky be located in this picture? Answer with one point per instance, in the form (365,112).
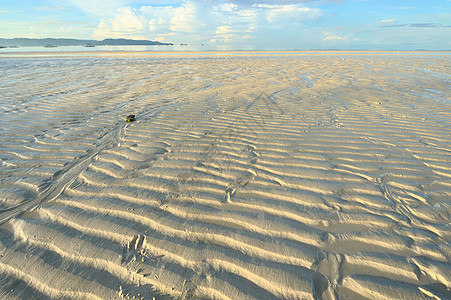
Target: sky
(266,24)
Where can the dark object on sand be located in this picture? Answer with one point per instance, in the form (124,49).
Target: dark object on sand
(130,118)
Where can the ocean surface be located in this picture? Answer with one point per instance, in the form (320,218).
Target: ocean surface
(176,50)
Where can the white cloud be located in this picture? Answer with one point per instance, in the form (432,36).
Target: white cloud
(332,37)
(102,31)
(126,22)
(223,29)
(187,18)
(65,29)
(223,34)
(277,13)
(228,7)
(31,34)
(165,37)
(152,24)
(200,21)
(185,22)
(387,21)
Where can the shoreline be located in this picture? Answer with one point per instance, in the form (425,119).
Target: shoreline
(213,53)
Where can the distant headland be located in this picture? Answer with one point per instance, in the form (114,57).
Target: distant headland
(27,42)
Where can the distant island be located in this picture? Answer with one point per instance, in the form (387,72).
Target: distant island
(26,42)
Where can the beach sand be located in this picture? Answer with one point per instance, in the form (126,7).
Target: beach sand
(314,176)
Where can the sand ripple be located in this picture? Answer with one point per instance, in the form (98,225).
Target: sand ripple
(311,177)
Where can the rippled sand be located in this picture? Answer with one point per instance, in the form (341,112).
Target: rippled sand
(319,176)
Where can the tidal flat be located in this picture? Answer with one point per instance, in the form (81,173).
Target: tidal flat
(313,175)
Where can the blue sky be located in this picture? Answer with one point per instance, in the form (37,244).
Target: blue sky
(267,24)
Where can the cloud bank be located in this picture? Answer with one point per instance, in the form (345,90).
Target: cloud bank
(205,21)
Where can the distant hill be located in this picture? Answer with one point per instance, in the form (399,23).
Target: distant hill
(26,42)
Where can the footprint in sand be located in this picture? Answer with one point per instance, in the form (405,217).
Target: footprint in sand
(135,249)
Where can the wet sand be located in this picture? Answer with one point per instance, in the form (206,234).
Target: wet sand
(247,176)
